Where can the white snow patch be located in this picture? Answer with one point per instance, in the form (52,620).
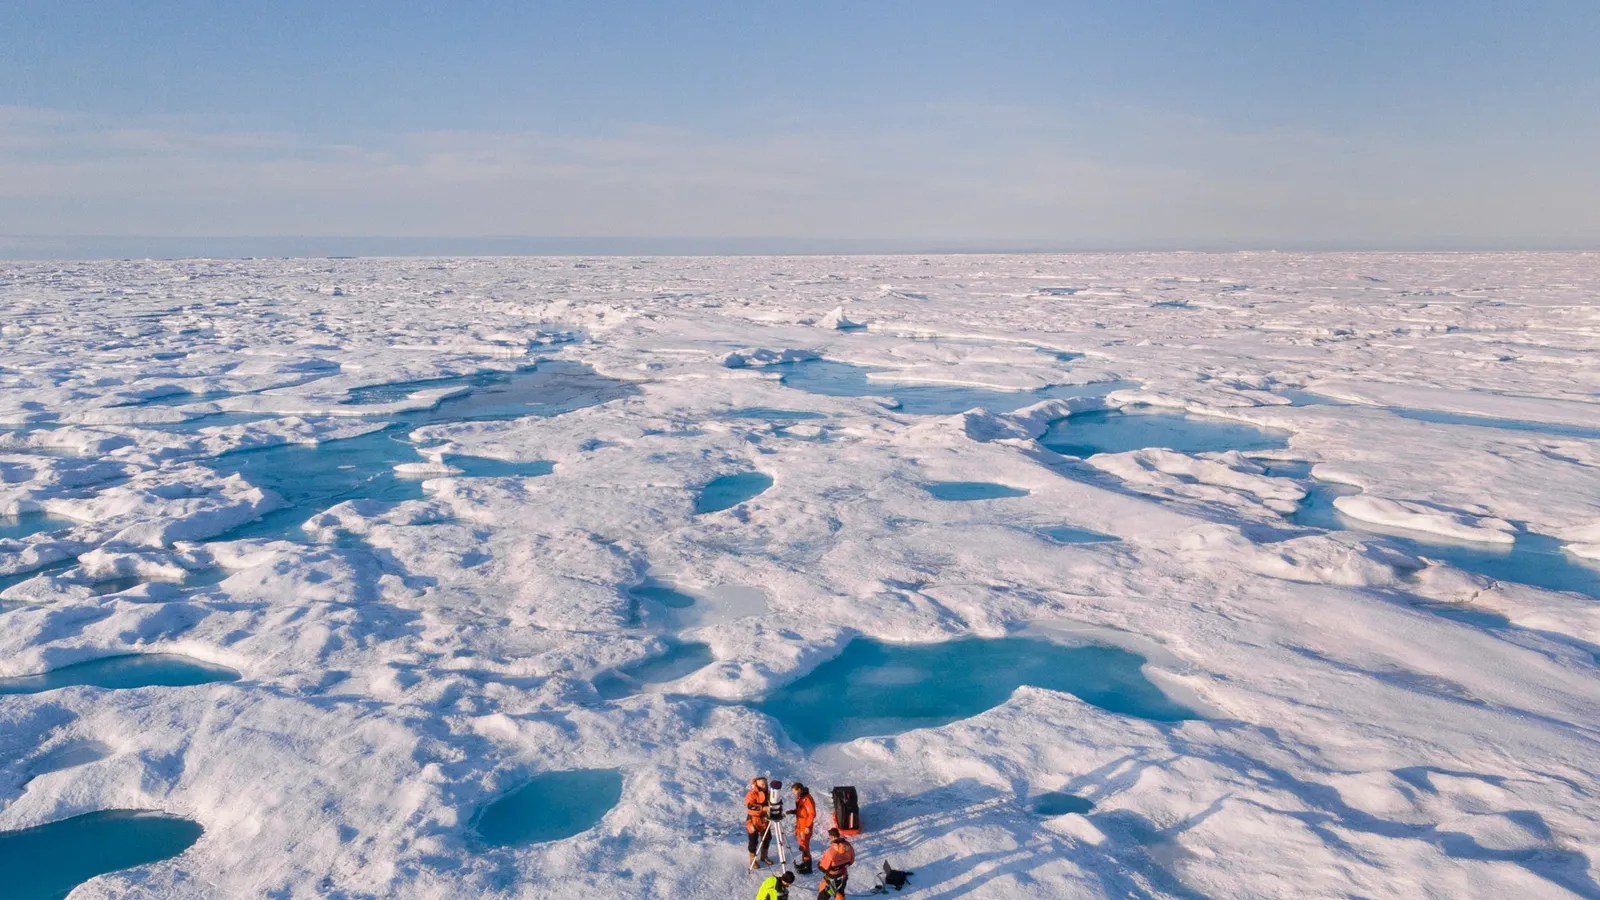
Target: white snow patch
(838,321)
(763,356)
(1427,518)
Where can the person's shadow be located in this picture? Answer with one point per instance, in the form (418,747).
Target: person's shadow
(896,828)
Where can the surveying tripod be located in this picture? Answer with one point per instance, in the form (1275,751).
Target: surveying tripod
(773,833)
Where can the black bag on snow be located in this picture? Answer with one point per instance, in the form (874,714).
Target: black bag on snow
(846,810)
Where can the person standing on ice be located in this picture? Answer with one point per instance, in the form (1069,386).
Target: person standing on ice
(805,816)
(755,820)
(776,887)
(836,862)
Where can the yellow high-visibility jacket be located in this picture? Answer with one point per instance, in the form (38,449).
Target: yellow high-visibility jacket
(772,889)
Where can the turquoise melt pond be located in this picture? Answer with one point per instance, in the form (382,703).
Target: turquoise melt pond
(873,688)
(729,491)
(133,670)
(550,807)
(46,862)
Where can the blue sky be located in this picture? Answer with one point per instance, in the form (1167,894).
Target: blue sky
(1076,125)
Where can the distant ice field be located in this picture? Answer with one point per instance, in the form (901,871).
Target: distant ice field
(1163,575)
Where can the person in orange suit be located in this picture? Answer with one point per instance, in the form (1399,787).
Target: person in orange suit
(755,820)
(805,816)
(836,862)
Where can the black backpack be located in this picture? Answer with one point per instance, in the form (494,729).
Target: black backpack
(846,810)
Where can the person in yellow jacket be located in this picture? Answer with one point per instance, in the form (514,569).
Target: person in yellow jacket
(776,887)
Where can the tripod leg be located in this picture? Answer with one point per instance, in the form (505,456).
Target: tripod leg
(766,844)
(773,835)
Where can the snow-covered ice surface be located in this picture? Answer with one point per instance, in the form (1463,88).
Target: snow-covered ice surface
(417,635)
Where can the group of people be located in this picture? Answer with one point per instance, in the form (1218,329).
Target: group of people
(760,810)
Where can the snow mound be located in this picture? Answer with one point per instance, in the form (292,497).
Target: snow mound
(838,321)
(1181,474)
(762,356)
(430,469)
(1426,517)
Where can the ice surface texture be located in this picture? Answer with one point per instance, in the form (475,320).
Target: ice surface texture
(972,490)
(440,516)
(1531,559)
(839,379)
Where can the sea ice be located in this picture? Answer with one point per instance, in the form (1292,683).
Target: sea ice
(437,520)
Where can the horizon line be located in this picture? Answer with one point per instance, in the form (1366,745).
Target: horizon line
(105,247)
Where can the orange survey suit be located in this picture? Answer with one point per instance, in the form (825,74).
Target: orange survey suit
(805,816)
(755,805)
(836,862)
